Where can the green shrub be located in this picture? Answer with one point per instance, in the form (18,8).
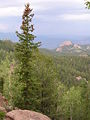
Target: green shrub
(2,115)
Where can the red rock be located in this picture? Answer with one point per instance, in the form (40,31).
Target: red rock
(61,46)
(66,43)
(79,78)
(25,115)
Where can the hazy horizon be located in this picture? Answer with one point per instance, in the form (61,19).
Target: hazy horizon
(50,41)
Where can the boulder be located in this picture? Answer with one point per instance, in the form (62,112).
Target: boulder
(25,115)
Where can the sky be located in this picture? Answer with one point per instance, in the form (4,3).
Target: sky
(54,18)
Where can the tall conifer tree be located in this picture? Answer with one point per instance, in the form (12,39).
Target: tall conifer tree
(24,54)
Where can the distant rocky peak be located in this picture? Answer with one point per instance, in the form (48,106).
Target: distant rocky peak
(66,43)
(69,46)
(61,46)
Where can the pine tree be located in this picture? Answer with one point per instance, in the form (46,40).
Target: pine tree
(87,4)
(24,54)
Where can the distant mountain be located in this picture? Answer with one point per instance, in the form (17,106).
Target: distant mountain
(65,48)
(69,48)
(63,45)
(50,41)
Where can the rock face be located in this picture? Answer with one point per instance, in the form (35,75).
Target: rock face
(25,115)
(66,43)
(68,46)
(3,101)
(19,114)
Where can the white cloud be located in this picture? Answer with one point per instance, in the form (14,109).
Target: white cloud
(15,7)
(74,17)
(63,17)
(11,11)
(16,11)
(74,1)
(16,3)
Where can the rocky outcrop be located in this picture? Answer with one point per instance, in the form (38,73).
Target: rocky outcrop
(25,115)
(69,46)
(61,46)
(66,43)
(3,101)
(19,114)
(78,78)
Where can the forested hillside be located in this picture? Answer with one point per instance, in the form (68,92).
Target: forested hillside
(57,86)
(61,84)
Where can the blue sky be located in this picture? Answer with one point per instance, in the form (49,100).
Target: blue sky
(52,17)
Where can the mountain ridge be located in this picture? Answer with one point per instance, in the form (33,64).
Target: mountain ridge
(49,41)
(69,48)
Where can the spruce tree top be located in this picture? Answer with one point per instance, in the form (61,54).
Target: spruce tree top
(27,28)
